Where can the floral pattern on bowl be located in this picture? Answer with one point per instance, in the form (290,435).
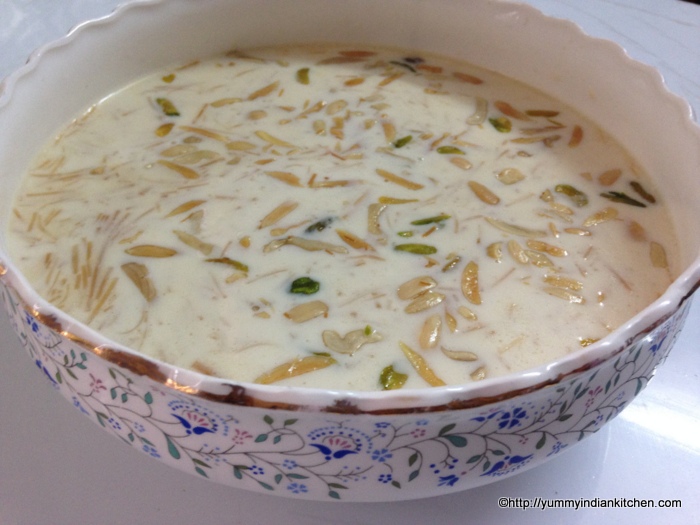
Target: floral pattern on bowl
(346,457)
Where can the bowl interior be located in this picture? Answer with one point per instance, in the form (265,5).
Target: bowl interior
(593,76)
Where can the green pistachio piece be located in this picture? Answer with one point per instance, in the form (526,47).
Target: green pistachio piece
(168,107)
(618,196)
(449,150)
(304,285)
(578,197)
(419,249)
(400,143)
(502,124)
(303,75)
(430,220)
(390,379)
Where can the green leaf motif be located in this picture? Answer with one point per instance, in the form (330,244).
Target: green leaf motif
(290,422)
(412,459)
(396,484)
(541,442)
(278,478)
(474,459)
(333,494)
(261,438)
(444,430)
(172,449)
(457,441)
(148,398)
(124,398)
(200,472)
(268,420)
(564,417)
(266,486)
(413,475)
(277,439)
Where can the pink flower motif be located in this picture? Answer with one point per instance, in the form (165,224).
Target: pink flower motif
(96,384)
(241,436)
(593,393)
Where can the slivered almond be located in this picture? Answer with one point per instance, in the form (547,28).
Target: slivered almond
(510,176)
(393,200)
(459,355)
(467,313)
(307,311)
(567,295)
(138,274)
(547,248)
(495,251)
(609,177)
(388,80)
(470,283)
(277,214)
(517,252)
(194,242)
(415,287)
(483,193)
(264,91)
(374,211)
(240,145)
(560,281)
(577,231)
(430,333)
(478,374)
(421,366)
(350,342)
(605,215)
(206,133)
(353,240)
(507,109)
(389,131)
(451,322)
(150,250)
(294,368)
(336,107)
(186,172)
(286,177)
(576,136)
(461,163)
(391,177)
(264,135)
(225,102)
(185,207)
(469,79)
(658,255)
(539,259)
(424,301)
(514,229)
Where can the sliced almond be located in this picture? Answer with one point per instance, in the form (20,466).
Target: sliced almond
(421,366)
(307,311)
(424,301)
(278,213)
(414,287)
(138,273)
(483,193)
(295,367)
(430,332)
(150,250)
(605,215)
(470,283)
(459,355)
(194,242)
(353,240)
(391,177)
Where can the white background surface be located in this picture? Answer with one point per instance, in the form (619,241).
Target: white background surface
(58,467)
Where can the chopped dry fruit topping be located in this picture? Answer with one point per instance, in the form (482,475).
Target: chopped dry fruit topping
(440,206)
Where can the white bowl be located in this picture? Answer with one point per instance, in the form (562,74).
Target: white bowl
(325,444)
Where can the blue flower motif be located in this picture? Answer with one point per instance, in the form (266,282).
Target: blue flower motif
(447,481)
(77,404)
(148,449)
(289,464)
(382,424)
(257,471)
(422,422)
(31,322)
(556,448)
(385,478)
(507,464)
(381,455)
(512,419)
(297,488)
(655,348)
(41,367)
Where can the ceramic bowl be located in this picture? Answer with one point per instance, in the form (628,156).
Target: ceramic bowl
(335,445)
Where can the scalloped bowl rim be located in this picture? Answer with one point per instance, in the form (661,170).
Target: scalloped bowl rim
(306,398)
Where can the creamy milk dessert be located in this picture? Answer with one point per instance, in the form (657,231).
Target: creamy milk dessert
(341,217)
